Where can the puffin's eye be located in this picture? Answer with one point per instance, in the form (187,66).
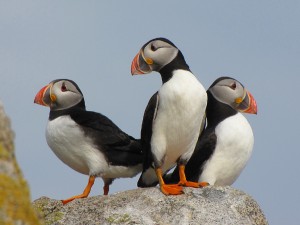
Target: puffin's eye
(233,86)
(63,87)
(153,48)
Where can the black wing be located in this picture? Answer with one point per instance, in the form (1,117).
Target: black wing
(204,149)
(146,132)
(118,147)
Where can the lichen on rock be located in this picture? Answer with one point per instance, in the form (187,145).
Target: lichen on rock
(15,205)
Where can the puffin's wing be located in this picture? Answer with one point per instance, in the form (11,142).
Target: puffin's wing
(146,132)
(204,149)
(118,147)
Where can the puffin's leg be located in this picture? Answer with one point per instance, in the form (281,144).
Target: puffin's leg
(167,189)
(107,182)
(184,182)
(105,189)
(85,193)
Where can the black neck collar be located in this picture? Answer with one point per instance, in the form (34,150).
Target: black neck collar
(57,113)
(176,64)
(217,111)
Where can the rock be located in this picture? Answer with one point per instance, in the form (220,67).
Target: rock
(210,205)
(15,205)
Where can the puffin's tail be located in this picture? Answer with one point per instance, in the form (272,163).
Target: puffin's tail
(148,178)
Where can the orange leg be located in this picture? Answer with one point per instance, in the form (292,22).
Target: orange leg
(184,182)
(167,189)
(85,193)
(105,189)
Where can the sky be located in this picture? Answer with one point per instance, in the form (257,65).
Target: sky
(93,43)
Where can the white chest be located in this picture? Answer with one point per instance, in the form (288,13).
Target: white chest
(234,147)
(73,147)
(182,103)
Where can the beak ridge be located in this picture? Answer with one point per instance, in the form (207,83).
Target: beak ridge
(139,64)
(248,105)
(135,69)
(39,98)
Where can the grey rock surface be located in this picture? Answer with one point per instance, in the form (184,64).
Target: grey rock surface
(207,206)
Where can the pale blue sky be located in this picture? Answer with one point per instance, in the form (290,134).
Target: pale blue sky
(94,42)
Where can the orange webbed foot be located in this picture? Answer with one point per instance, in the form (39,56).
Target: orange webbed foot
(204,184)
(183,181)
(193,184)
(167,189)
(171,189)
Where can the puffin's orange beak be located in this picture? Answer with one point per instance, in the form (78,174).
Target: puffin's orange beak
(140,65)
(248,105)
(43,96)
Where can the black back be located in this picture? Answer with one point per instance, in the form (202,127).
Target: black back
(146,132)
(118,147)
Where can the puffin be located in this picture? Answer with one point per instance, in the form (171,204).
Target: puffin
(225,146)
(87,141)
(173,117)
